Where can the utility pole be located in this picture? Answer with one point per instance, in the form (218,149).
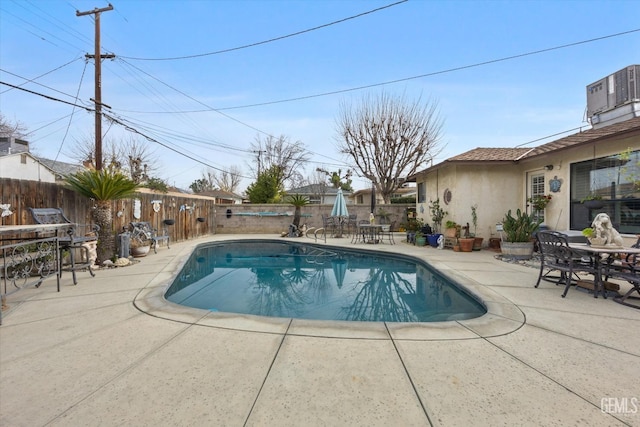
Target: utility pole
(98,79)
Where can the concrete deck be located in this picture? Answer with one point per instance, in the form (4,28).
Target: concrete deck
(110,351)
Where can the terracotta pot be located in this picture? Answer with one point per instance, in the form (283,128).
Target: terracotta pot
(456,248)
(477,243)
(494,243)
(466,245)
(450,232)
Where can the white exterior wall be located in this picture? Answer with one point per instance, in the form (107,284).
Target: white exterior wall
(557,211)
(11,166)
(496,188)
(493,188)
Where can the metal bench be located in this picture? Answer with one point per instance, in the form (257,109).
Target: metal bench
(144,231)
(71,242)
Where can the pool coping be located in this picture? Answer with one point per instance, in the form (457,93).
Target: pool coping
(502,317)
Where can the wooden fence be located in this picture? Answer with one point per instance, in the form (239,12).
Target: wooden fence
(194,215)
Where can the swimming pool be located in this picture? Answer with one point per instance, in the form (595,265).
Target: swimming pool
(306,281)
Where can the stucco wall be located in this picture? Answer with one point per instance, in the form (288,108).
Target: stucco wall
(11,166)
(238,223)
(491,188)
(496,188)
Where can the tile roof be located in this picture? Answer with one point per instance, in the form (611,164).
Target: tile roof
(515,154)
(490,155)
(588,136)
(60,168)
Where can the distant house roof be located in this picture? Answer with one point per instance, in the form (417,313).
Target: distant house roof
(221,194)
(60,169)
(498,155)
(316,189)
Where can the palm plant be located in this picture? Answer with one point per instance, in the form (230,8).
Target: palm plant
(298,201)
(103,186)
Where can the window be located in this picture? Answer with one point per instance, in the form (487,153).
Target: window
(537,189)
(422,192)
(615,179)
(23,159)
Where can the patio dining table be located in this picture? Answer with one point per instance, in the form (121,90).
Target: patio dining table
(367,233)
(599,261)
(27,259)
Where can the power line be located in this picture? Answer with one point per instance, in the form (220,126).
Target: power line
(269,40)
(90,110)
(353,89)
(195,159)
(449,70)
(199,102)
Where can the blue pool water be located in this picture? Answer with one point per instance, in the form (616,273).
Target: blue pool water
(284,279)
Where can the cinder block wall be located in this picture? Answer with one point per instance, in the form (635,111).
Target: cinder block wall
(237,223)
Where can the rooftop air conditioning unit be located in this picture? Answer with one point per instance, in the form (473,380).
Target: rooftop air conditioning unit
(619,88)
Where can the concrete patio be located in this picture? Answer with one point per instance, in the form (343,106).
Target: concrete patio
(110,351)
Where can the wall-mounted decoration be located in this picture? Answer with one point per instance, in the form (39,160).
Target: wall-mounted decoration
(5,210)
(137,208)
(555,184)
(156,205)
(446,196)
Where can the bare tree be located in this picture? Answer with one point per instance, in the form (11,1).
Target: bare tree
(289,157)
(132,156)
(12,129)
(389,138)
(228,180)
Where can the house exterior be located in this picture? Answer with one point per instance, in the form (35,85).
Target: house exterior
(363,197)
(223,197)
(604,160)
(17,162)
(23,165)
(320,194)
(61,169)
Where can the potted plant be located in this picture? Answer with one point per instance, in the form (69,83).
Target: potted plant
(477,241)
(384,216)
(451,229)
(412,226)
(139,247)
(539,202)
(593,201)
(519,230)
(103,186)
(437,215)
(420,238)
(466,239)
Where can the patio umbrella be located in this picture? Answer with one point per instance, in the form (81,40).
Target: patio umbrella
(340,210)
(339,270)
(373,198)
(340,205)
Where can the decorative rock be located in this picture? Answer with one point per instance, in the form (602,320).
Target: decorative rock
(107,263)
(121,262)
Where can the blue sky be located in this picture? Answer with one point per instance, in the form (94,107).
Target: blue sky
(504,103)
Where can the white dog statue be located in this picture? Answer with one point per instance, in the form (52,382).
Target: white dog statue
(603,229)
